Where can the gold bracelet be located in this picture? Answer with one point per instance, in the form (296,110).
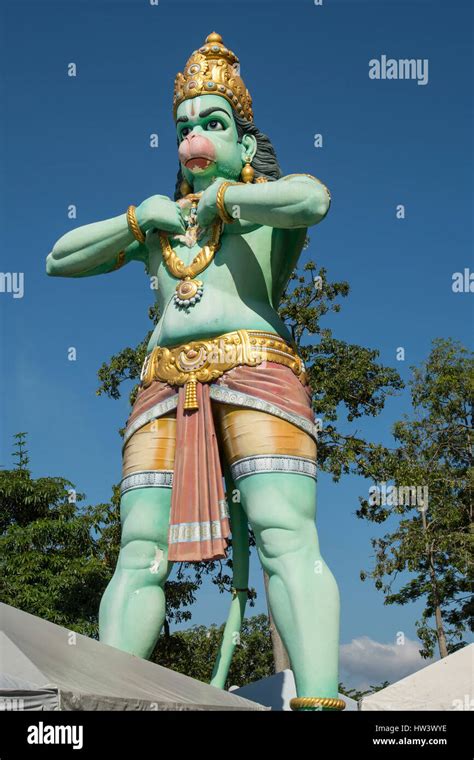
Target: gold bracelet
(221,209)
(120,260)
(133,225)
(305,703)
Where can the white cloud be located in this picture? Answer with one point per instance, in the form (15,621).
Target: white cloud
(365,662)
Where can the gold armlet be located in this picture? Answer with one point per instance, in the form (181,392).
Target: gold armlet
(133,225)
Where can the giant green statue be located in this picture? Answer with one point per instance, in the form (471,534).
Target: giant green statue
(223,392)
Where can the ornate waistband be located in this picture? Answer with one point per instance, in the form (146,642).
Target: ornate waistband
(205,360)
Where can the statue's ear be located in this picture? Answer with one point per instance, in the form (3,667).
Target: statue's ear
(249,148)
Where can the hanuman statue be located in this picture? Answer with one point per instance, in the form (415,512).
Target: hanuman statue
(223,393)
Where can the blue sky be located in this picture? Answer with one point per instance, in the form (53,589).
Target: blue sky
(85,141)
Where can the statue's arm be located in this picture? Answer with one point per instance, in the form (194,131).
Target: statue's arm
(101,247)
(292,202)
(94,249)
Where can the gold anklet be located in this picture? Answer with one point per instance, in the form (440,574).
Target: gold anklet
(307,703)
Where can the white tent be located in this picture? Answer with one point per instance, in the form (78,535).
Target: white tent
(277,690)
(445,685)
(46,667)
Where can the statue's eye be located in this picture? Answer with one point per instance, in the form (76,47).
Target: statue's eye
(214,125)
(185,131)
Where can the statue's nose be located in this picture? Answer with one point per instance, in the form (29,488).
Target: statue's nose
(197,130)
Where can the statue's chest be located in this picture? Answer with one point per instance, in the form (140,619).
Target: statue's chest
(176,260)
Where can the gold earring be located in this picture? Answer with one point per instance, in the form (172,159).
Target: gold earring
(185,188)
(248,172)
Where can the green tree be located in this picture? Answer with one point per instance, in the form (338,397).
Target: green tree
(432,539)
(194,650)
(346,379)
(359,693)
(50,562)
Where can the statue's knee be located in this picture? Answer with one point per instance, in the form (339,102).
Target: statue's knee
(283,543)
(144,556)
(281,511)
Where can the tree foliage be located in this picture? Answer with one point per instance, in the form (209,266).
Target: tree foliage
(346,379)
(432,541)
(51,563)
(193,652)
(357,694)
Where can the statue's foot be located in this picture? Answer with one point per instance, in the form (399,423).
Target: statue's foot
(316,703)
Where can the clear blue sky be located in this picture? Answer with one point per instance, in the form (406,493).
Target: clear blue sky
(84,141)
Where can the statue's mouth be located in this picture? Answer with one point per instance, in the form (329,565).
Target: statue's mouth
(198,162)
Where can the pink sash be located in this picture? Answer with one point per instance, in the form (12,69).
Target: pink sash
(199,524)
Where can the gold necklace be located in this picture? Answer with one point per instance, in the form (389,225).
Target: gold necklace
(189,291)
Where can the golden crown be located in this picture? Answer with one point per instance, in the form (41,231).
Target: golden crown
(213,70)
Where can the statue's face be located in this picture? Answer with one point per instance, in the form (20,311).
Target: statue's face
(208,139)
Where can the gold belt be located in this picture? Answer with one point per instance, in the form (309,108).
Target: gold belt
(205,360)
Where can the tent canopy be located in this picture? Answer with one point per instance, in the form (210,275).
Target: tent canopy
(52,668)
(444,685)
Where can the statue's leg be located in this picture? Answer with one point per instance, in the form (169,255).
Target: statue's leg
(303,593)
(132,610)
(281,508)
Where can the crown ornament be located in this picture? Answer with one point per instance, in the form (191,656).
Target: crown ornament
(213,70)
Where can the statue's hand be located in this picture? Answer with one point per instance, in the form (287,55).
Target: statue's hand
(207,206)
(161,212)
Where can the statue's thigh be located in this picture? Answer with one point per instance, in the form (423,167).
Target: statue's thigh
(273,464)
(148,463)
